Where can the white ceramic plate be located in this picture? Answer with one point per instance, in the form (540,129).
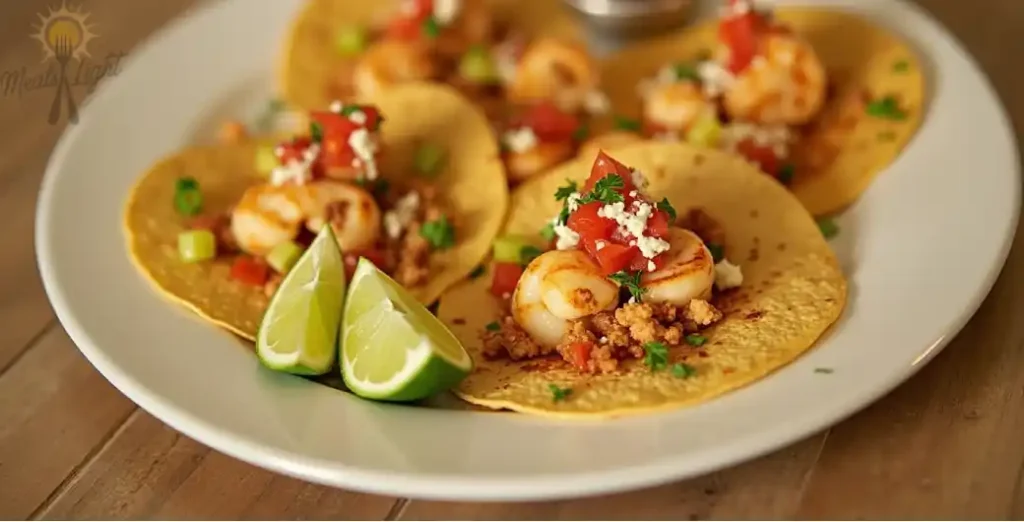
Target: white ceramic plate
(921,249)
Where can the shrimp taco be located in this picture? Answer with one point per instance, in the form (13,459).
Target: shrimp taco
(523,62)
(660,278)
(820,99)
(411,182)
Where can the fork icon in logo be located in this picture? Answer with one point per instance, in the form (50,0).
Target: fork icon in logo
(63,49)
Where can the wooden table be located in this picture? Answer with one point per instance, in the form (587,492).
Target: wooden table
(948,444)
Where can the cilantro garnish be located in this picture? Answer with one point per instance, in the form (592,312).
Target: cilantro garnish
(886,108)
(563,216)
(580,133)
(683,370)
(431,27)
(477,272)
(823,370)
(656,357)
(667,208)
(316,132)
(696,340)
(828,228)
(565,191)
(685,71)
(349,110)
(629,124)
(529,253)
(630,280)
(439,233)
(901,66)
(717,252)
(605,191)
(559,394)
(493,326)
(548,232)
(786,173)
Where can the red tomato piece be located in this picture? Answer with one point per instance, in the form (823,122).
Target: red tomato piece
(506,277)
(605,165)
(550,123)
(740,34)
(657,224)
(590,226)
(763,156)
(639,263)
(250,270)
(292,150)
(615,257)
(408,24)
(580,354)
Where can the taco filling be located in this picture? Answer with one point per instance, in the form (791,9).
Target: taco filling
(538,91)
(782,93)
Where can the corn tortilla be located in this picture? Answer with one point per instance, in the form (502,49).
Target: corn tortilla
(792,291)
(471,186)
(841,155)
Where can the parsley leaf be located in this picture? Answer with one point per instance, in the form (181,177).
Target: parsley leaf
(548,232)
(685,71)
(667,208)
(316,132)
(629,124)
(828,228)
(529,253)
(581,133)
(559,394)
(431,27)
(887,108)
(439,233)
(717,251)
(477,272)
(563,216)
(683,370)
(696,340)
(657,355)
(605,190)
(565,191)
(630,280)
(493,326)
(349,110)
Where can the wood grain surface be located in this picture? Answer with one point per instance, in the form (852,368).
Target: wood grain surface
(947,444)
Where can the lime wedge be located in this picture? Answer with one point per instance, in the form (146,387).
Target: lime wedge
(392,348)
(299,331)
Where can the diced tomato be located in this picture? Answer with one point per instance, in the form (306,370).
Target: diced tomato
(580,353)
(506,277)
(292,150)
(640,263)
(615,257)
(250,270)
(657,224)
(763,156)
(374,255)
(335,150)
(740,34)
(605,165)
(550,123)
(408,24)
(590,226)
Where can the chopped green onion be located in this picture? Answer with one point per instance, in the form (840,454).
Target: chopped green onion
(559,394)
(696,340)
(786,173)
(284,256)
(351,40)
(439,233)
(887,108)
(196,245)
(705,132)
(477,272)
(828,228)
(508,249)
(266,160)
(683,370)
(478,66)
(493,326)
(629,124)
(717,251)
(548,232)
(188,200)
(428,159)
(431,28)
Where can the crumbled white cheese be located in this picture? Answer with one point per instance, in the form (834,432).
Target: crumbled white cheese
(520,140)
(567,237)
(634,224)
(650,247)
(396,219)
(573,201)
(715,79)
(638,179)
(632,193)
(727,275)
(365,147)
(357,117)
(599,245)
(603,339)
(596,102)
(776,137)
(651,266)
(445,11)
(296,171)
(336,107)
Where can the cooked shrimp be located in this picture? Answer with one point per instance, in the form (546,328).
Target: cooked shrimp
(557,287)
(266,216)
(688,273)
(537,159)
(390,62)
(607,141)
(554,70)
(675,106)
(784,85)
(351,211)
(473,23)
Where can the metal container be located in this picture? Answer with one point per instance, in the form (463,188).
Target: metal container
(624,19)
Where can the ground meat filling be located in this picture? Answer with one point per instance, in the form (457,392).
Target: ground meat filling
(409,252)
(597,344)
(701,223)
